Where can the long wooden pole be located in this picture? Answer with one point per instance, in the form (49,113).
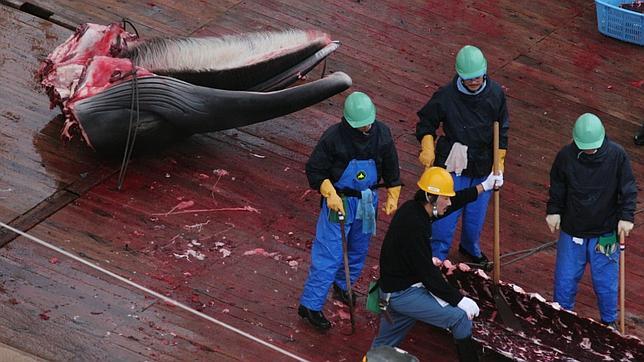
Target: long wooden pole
(347,271)
(497,247)
(622,281)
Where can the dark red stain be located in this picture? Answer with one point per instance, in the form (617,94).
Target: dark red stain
(482,19)
(588,59)
(488,23)
(638,83)
(164,278)
(44,315)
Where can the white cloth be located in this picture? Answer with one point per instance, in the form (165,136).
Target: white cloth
(457,159)
(439,300)
(470,307)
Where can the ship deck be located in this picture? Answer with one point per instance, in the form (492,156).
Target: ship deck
(253,216)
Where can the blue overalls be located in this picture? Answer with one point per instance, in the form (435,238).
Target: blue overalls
(473,219)
(326,255)
(572,256)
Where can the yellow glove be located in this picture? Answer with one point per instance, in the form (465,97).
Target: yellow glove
(625,227)
(502,153)
(393,193)
(427,154)
(553,221)
(333,201)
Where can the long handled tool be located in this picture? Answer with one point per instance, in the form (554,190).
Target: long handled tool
(622,281)
(502,305)
(497,203)
(347,272)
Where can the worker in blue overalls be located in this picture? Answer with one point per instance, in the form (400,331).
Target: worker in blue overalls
(592,199)
(466,108)
(346,165)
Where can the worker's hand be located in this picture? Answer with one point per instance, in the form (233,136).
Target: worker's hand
(492,181)
(393,193)
(502,153)
(437,262)
(553,221)
(470,307)
(625,227)
(427,154)
(333,201)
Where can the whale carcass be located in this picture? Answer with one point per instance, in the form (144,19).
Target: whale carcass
(107,81)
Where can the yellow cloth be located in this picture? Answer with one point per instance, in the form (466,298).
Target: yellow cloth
(502,153)
(333,201)
(393,193)
(427,155)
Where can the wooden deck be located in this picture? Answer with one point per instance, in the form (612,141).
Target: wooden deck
(548,55)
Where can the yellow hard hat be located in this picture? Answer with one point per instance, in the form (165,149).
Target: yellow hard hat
(437,181)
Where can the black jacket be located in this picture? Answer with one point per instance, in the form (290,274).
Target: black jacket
(467,119)
(592,192)
(342,143)
(405,256)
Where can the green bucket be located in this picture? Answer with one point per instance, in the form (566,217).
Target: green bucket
(373,298)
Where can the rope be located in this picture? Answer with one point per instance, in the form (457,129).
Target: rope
(524,254)
(323,69)
(132,129)
(155,294)
(127,21)
(131,135)
(527,252)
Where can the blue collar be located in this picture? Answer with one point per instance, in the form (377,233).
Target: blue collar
(464,90)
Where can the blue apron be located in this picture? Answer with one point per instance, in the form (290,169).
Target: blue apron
(326,253)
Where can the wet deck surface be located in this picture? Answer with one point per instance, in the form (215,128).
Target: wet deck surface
(548,55)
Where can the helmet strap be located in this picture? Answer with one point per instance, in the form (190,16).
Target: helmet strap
(431,199)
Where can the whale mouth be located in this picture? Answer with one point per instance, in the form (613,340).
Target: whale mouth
(181,86)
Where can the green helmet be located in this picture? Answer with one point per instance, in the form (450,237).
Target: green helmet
(359,110)
(470,62)
(588,132)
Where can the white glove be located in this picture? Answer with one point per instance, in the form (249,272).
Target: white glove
(492,181)
(553,221)
(470,307)
(625,227)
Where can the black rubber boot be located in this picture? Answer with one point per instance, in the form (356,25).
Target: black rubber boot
(639,137)
(483,260)
(343,295)
(467,349)
(316,318)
